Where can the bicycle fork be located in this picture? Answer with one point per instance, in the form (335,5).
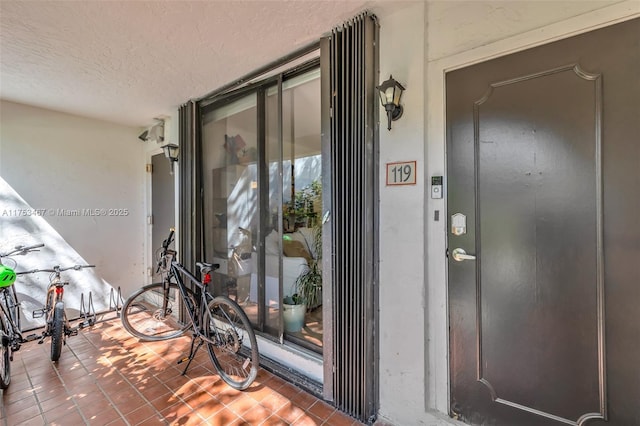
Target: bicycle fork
(54,301)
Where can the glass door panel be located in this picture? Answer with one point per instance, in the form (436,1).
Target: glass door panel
(230,176)
(302,204)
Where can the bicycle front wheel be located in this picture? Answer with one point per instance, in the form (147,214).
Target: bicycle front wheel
(57,331)
(5,353)
(234,351)
(153,312)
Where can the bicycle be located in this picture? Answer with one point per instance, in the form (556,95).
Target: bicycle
(10,333)
(57,325)
(153,313)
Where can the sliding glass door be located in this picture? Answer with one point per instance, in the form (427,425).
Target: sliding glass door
(262,197)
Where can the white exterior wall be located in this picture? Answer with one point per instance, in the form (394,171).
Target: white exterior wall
(57,161)
(418,45)
(402,259)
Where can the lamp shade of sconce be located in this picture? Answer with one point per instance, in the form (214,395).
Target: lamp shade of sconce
(171,152)
(390,93)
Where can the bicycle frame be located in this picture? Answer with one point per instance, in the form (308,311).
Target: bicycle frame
(55,294)
(157,312)
(12,337)
(197,312)
(16,335)
(55,298)
(9,295)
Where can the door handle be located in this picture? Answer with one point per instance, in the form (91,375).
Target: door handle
(459,255)
(326,217)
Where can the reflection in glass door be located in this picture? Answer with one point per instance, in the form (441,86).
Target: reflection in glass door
(300,207)
(262,205)
(229,144)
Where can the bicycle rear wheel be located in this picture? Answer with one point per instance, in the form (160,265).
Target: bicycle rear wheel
(152,313)
(234,352)
(5,353)
(57,331)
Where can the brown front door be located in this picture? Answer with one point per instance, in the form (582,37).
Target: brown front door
(543,189)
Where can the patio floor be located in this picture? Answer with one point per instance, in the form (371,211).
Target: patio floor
(107,377)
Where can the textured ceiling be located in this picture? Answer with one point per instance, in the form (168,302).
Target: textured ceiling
(130,61)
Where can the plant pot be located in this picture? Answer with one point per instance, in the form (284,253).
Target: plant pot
(293,317)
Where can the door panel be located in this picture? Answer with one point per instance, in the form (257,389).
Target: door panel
(538,238)
(162,205)
(540,162)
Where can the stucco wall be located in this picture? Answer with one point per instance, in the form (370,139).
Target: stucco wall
(58,164)
(402,301)
(418,45)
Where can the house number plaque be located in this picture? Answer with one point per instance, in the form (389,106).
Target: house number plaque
(401,173)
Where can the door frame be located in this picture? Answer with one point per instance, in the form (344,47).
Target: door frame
(149,261)
(437,315)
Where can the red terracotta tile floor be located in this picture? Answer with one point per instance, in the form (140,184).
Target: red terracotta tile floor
(106,377)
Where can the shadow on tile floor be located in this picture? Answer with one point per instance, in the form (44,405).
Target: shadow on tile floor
(107,377)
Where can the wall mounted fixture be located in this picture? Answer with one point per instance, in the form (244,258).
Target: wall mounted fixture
(390,93)
(171,152)
(154,133)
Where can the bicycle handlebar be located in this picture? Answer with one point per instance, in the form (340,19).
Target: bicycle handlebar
(161,261)
(22,250)
(166,243)
(56,269)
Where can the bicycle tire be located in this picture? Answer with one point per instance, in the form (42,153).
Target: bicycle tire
(235,351)
(5,353)
(57,331)
(143,317)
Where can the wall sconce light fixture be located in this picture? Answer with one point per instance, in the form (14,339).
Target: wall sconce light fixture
(171,152)
(390,92)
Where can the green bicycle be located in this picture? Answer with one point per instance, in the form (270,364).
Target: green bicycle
(10,332)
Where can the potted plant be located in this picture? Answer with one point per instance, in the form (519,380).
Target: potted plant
(293,310)
(309,283)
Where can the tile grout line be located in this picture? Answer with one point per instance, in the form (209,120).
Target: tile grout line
(199,386)
(3,410)
(95,381)
(173,393)
(94,356)
(32,388)
(66,389)
(178,397)
(133,387)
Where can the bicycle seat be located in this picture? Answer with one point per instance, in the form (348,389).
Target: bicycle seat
(205,267)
